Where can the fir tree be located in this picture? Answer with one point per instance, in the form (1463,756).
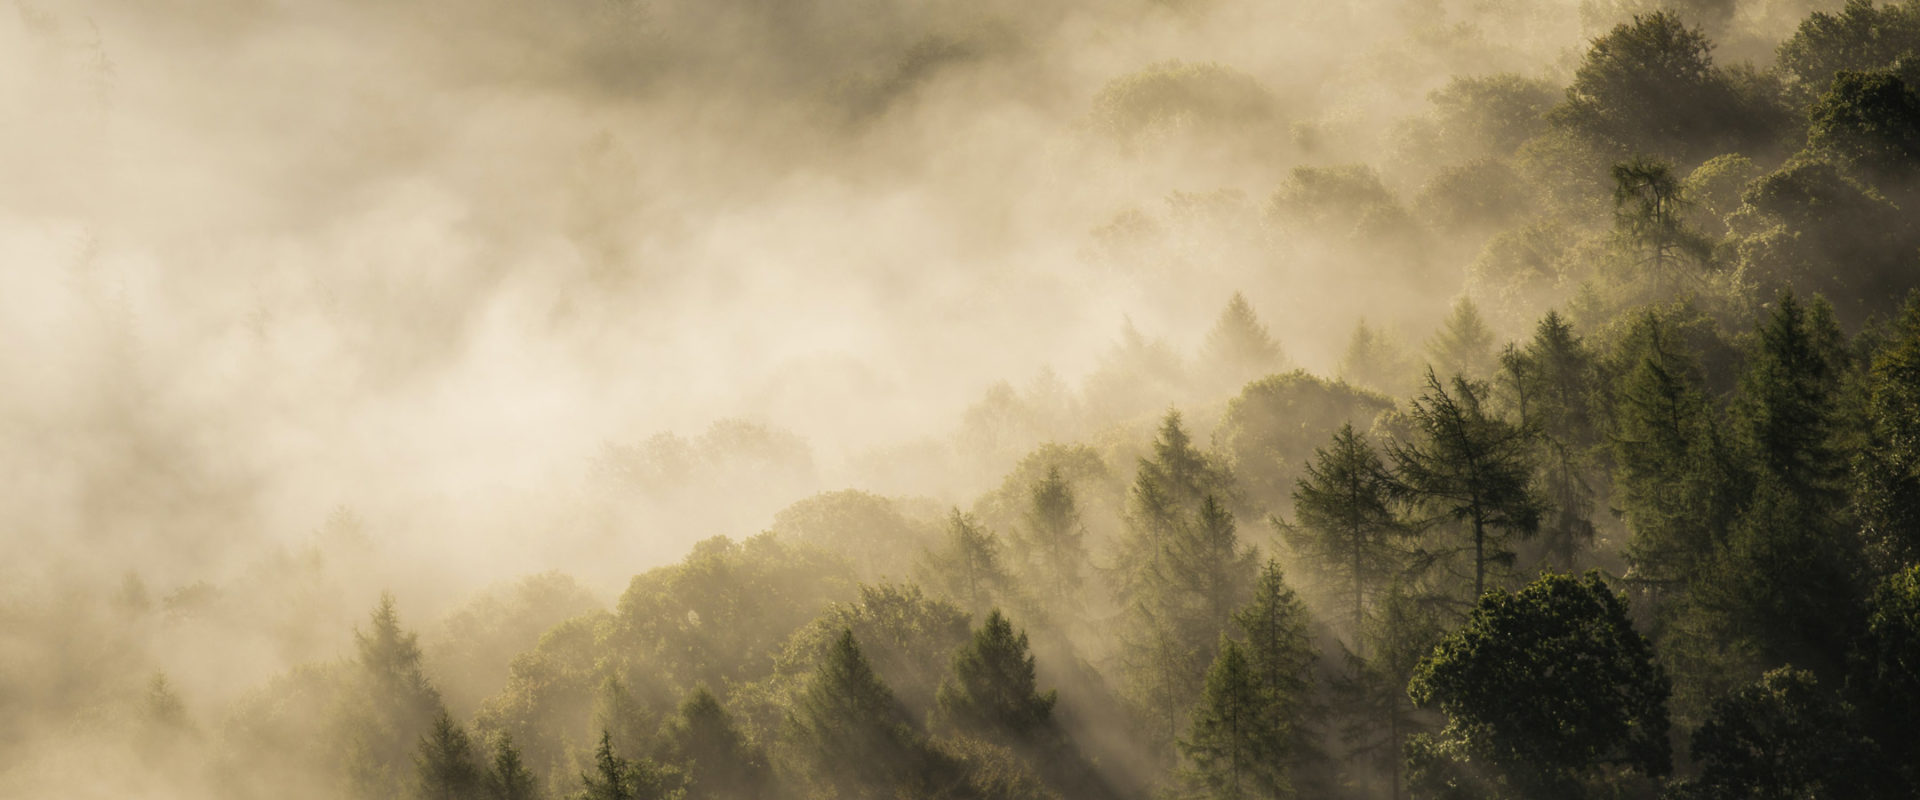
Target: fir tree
(968,566)
(852,734)
(1552,381)
(1239,348)
(617,778)
(445,763)
(715,757)
(1233,746)
(992,692)
(1347,525)
(506,777)
(1469,466)
(1463,345)
(1056,539)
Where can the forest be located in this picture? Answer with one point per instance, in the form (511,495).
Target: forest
(1103,400)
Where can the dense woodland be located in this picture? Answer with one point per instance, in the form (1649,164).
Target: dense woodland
(1639,517)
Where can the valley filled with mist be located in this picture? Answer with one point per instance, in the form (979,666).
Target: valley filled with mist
(1106,399)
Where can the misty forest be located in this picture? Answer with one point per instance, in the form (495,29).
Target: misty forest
(1087,399)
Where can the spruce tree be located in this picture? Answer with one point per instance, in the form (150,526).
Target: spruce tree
(716,758)
(507,778)
(395,704)
(445,763)
(616,778)
(1552,381)
(1239,349)
(1055,538)
(992,693)
(1464,344)
(1471,467)
(1280,656)
(1234,748)
(852,735)
(1347,528)
(969,566)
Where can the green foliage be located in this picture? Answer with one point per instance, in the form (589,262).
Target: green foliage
(1809,228)
(1467,465)
(873,528)
(1374,361)
(851,734)
(507,778)
(1887,667)
(1885,478)
(1650,223)
(1543,689)
(969,567)
(1271,429)
(1170,99)
(446,765)
(1553,382)
(906,636)
(992,694)
(1495,112)
(1777,739)
(392,705)
(1235,750)
(1870,122)
(1054,541)
(1182,571)
(1238,348)
(1861,36)
(1463,345)
(617,778)
(710,751)
(1347,528)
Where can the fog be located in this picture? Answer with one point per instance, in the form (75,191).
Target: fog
(303,302)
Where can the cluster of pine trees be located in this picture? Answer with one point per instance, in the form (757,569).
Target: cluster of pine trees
(1664,544)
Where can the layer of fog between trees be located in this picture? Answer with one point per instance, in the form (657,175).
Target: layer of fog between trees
(387,379)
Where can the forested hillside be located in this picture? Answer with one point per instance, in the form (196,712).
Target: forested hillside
(1108,399)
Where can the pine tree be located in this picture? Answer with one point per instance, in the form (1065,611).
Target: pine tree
(1372,360)
(1552,381)
(1469,466)
(445,763)
(852,734)
(1463,345)
(992,693)
(507,778)
(1239,348)
(617,778)
(1055,538)
(716,758)
(1280,656)
(968,566)
(1347,525)
(1669,460)
(1232,745)
(394,706)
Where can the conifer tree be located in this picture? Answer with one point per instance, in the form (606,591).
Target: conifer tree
(617,778)
(1650,221)
(1372,360)
(1347,525)
(395,705)
(1280,656)
(1055,538)
(715,757)
(1885,486)
(992,693)
(1239,348)
(1232,744)
(445,763)
(1463,345)
(852,734)
(1471,467)
(1552,381)
(968,566)
(507,778)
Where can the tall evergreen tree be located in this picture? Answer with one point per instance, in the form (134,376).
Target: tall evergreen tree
(1055,539)
(1280,656)
(1464,344)
(1239,349)
(445,763)
(1885,485)
(853,736)
(1553,379)
(1373,360)
(1347,526)
(1471,467)
(716,758)
(992,693)
(617,778)
(507,778)
(395,704)
(969,566)
(1233,745)
(1650,223)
